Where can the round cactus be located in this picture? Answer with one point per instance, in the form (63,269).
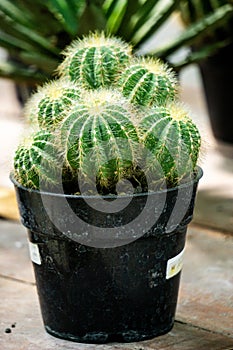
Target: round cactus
(95,61)
(93,130)
(48,105)
(99,136)
(38,162)
(173,139)
(147,82)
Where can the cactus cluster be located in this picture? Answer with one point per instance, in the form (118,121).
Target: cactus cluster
(107,117)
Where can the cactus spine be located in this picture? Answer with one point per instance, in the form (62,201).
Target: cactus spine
(148,82)
(96,126)
(173,139)
(38,161)
(48,105)
(95,61)
(100,128)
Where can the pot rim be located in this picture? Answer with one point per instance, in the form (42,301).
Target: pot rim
(198,176)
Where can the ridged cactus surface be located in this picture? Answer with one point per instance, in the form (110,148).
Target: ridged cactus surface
(148,82)
(95,61)
(173,139)
(48,105)
(110,117)
(38,162)
(99,136)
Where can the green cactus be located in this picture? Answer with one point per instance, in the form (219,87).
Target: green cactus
(38,161)
(148,82)
(133,129)
(48,105)
(99,136)
(173,139)
(95,60)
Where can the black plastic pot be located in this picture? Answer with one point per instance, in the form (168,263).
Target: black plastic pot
(217,76)
(124,293)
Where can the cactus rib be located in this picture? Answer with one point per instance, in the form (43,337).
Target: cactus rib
(48,105)
(148,82)
(109,117)
(93,134)
(95,61)
(39,162)
(173,139)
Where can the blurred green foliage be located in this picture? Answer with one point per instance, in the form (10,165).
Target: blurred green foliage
(35,32)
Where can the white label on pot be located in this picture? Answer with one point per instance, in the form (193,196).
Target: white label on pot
(174,265)
(34,253)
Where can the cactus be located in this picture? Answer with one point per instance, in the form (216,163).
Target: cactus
(96,135)
(173,139)
(48,105)
(95,60)
(101,127)
(37,161)
(148,82)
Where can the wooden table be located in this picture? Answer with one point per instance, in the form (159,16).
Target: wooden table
(204,318)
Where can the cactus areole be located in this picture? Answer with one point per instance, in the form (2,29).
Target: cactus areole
(106,184)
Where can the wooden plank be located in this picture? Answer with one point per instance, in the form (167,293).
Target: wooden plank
(14,254)
(8,204)
(206,288)
(206,291)
(214,208)
(19,306)
(214,203)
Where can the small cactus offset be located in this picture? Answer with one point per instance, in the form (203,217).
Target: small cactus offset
(110,117)
(173,139)
(148,82)
(48,105)
(38,162)
(95,61)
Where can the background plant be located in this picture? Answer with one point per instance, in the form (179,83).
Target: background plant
(217,36)
(35,32)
